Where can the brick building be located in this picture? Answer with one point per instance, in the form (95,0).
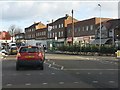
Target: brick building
(20,38)
(110,33)
(41,36)
(5,38)
(57,31)
(30,32)
(84,31)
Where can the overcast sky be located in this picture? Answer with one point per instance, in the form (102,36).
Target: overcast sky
(25,13)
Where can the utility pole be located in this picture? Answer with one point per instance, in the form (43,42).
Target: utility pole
(100,26)
(72,28)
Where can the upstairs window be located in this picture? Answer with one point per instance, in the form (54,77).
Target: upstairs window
(91,27)
(86,28)
(83,28)
(62,25)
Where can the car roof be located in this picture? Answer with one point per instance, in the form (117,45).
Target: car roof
(27,46)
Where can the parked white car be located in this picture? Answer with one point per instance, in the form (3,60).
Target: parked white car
(3,53)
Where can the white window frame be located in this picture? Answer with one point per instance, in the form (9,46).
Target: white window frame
(87,28)
(91,27)
(62,25)
(83,28)
(59,34)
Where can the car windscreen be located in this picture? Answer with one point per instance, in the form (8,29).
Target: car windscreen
(14,48)
(13,44)
(29,49)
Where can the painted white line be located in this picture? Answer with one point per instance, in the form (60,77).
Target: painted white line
(92,69)
(53,63)
(111,81)
(89,73)
(57,65)
(77,73)
(116,63)
(76,82)
(40,73)
(44,61)
(50,65)
(9,84)
(28,74)
(61,82)
(53,73)
(28,84)
(62,68)
(47,63)
(54,68)
(95,81)
(100,73)
(44,83)
(111,62)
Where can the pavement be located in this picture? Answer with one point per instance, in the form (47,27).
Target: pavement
(79,57)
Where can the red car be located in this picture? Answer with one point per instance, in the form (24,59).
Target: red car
(29,56)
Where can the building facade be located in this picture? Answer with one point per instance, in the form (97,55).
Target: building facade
(5,37)
(84,31)
(30,33)
(20,38)
(41,36)
(110,33)
(57,31)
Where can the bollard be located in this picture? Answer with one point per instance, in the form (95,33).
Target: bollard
(118,53)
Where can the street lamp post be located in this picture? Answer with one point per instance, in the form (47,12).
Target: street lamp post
(72,28)
(100,26)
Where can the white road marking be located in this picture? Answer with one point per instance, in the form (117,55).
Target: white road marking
(53,73)
(44,61)
(111,62)
(28,74)
(50,65)
(76,82)
(47,63)
(100,73)
(115,62)
(40,73)
(95,81)
(54,68)
(77,73)
(62,68)
(27,84)
(111,81)
(53,63)
(89,73)
(57,65)
(92,69)
(9,84)
(61,82)
(44,83)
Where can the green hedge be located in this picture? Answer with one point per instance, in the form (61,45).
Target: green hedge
(90,48)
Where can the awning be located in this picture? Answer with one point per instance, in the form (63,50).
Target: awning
(69,39)
(97,41)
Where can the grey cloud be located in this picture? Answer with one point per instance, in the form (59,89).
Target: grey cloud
(31,9)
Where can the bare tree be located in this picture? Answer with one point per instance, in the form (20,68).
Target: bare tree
(14,30)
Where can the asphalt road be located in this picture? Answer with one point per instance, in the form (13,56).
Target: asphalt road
(63,71)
